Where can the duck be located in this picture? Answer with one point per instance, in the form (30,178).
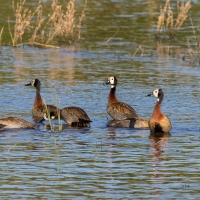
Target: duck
(39,108)
(158,122)
(123,114)
(116,109)
(15,123)
(18,123)
(75,116)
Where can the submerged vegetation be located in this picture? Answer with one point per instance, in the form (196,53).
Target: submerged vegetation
(60,25)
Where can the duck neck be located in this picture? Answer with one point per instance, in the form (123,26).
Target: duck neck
(38,98)
(112,98)
(157,109)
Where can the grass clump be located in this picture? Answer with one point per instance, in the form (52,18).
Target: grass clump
(23,17)
(167,24)
(194,48)
(61,24)
(38,35)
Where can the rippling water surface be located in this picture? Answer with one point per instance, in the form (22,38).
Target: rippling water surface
(101,162)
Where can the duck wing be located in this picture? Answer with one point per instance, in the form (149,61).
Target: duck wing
(74,114)
(121,111)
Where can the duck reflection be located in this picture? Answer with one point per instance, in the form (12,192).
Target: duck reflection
(119,123)
(111,153)
(129,123)
(111,134)
(58,128)
(158,141)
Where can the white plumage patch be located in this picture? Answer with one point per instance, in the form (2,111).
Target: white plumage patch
(155,93)
(112,80)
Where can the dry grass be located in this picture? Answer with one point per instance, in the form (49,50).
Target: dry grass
(141,53)
(194,48)
(60,24)
(38,35)
(80,20)
(166,22)
(1,32)
(22,22)
(112,36)
(140,48)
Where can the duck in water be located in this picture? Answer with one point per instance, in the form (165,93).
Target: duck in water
(39,108)
(158,121)
(123,114)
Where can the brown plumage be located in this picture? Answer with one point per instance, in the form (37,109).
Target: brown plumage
(39,107)
(14,123)
(158,121)
(75,116)
(123,114)
(116,109)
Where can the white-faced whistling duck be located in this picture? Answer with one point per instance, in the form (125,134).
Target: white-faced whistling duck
(158,121)
(121,111)
(75,116)
(18,123)
(46,117)
(39,108)
(14,123)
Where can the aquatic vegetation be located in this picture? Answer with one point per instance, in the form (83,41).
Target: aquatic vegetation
(1,32)
(22,22)
(167,25)
(38,35)
(140,48)
(57,103)
(108,40)
(194,52)
(49,117)
(61,24)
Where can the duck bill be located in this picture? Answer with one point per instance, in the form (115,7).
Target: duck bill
(29,84)
(107,82)
(150,94)
(42,120)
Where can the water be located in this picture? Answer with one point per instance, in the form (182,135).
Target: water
(101,162)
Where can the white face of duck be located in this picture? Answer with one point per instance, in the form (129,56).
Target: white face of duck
(33,82)
(46,117)
(155,93)
(111,81)
(158,93)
